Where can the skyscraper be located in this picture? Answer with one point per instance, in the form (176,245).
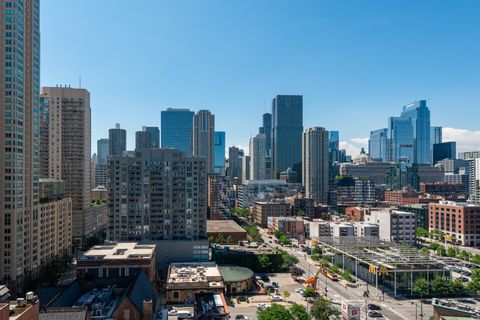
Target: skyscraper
(219,151)
(419,114)
(287,127)
(245,168)
(117,139)
(234,163)
(267,129)
(101,166)
(377,145)
(143,139)
(315,164)
(333,146)
(69,149)
(258,156)
(445,150)
(176,129)
(204,137)
(20,137)
(436,136)
(155,136)
(400,139)
(173,199)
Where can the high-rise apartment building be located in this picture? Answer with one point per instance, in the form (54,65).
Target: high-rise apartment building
(101,165)
(171,189)
(246,168)
(154,136)
(436,136)
(20,136)
(176,129)
(117,139)
(474,180)
(219,153)
(204,138)
(258,157)
(377,145)
(400,140)
(266,128)
(419,115)
(234,164)
(287,128)
(444,150)
(468,155)
(69,149)
(143,139)
(315,164)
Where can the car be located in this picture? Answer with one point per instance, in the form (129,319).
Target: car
(261,306)
(270,288)
(299,290)
(265,278)
(372,306)
(276,298)
(241,317)
(275,285)
(375,314)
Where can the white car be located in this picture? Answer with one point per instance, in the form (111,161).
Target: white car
(261,306)
(299,290)
(276,298)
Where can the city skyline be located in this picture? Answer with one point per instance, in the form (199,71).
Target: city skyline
(332,52)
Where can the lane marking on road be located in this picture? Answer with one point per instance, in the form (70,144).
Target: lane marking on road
(393,310)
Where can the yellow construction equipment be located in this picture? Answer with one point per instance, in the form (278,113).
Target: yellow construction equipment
(312,281)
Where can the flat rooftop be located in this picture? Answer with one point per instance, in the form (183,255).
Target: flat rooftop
(195,273)
(226,226)
(260,249)
(119,251)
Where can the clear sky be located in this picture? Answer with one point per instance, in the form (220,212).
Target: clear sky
(355,62)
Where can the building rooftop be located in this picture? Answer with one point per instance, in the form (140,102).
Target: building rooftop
(226,226)
(119,251)
(261,249)
(206,273)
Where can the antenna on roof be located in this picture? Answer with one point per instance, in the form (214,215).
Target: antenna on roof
(80,81)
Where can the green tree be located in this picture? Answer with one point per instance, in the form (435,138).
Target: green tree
(424,250)
(474,285)
(284,240)
(440,286)
(347,275)
(421,232)
(433,246)
(286,294)
(440,251)
(317,250)
(464,255)
(301,213)
(274,312)
(475,258)
(309,292)
(456,287)
(288,261)
(420,287)
(278,234)
(264,262)
(299,312)
(323,309)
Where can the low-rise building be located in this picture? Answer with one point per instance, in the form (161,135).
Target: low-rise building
(446,190)
(99,193)
(117,260)
(264,190)
(262,210)
(300,203)
(290,226)
(226,229)
(459,221)
(22,309)
(420,210)
(319,229)
(395,226)
(186,280)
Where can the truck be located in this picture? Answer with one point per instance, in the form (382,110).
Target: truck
(350,311)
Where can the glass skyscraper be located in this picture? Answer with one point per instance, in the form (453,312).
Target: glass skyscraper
(102,151)
(419,114)
(400,139)
(219,153)
(445,150)
(377,145)
(117,138)
(154,136)
(333,146)
(287,128)
(176,129)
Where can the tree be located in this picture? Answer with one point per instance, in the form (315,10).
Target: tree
(456,287)
(317,250)
(440,286)
(421,232)
(433,246)
(451,252)
(420,286)
(440,251)
(301,213)
(474,285)
(286,294)
(278,234)
(299,312)
(464,255)
(284,240)
(475,258)
(347,275)
(264,262)
(288,260)
(309,292)
(323,309)
(424,250)
(274,312)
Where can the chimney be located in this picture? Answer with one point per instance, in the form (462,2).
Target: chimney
(147,309)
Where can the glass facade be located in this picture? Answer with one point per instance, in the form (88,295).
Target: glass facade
(176,129)
(446,150)
(287,128)
(117,141)
(377,145)
(400,140)
(102,151)
(419,114)
(154,136)
(219,152)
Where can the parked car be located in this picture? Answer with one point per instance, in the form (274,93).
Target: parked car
(241,317)
(261,306)
(276,298)
(298,290)
(372,306)
(375,314)
(270,288)
(275,285)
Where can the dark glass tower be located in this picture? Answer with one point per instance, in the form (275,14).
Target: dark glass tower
(117,139)
(287,128)
(154,136)
(176,129)
(377,145)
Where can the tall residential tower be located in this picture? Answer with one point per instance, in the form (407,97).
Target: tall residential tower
(315,164)
(204,137)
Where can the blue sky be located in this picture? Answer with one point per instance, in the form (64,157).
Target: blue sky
(355,62)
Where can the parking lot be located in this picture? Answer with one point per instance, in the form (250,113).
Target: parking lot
(285,283)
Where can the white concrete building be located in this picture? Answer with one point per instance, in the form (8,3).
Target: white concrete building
(395,226)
